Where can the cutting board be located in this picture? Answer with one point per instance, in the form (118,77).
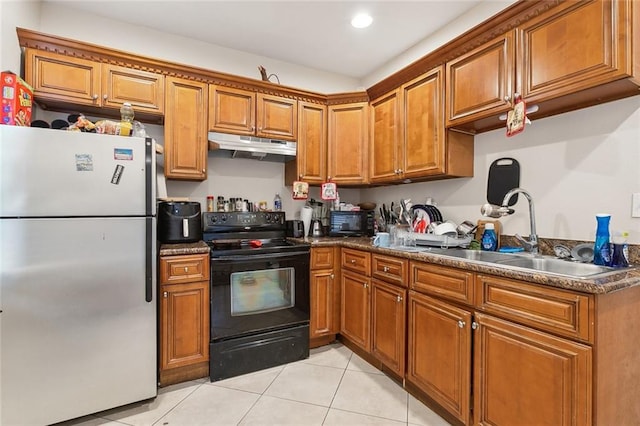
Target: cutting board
(504,175)
(480,229)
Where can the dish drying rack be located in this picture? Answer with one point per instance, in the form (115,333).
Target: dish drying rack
(443,241)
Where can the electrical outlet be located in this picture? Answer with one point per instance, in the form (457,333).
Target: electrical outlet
(635,204)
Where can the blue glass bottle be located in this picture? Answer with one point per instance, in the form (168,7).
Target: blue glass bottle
(602,246)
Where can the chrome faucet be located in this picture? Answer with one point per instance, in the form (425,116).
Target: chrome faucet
(490,210)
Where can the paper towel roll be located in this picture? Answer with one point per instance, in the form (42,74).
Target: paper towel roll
(305,216)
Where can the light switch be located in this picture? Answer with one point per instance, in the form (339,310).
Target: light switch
(635,204)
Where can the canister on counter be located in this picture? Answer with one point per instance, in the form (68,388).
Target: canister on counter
(209,203)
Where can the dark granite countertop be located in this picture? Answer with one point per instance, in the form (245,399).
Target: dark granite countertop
(618,281)
(199,247)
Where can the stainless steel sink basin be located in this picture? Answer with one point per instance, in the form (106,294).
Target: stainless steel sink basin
(525,261)
(558,266)
(478,255)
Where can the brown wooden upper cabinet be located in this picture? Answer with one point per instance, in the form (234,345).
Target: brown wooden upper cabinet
(571,56)
(245,112)
(66,80)
(408,136)
(185,130)
(310,164)
(348,159)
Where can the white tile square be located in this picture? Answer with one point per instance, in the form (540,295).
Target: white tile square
(309,383)
(420,414)
(88,421)
(371,394)
(358,364)
(256,382)
(211,405)
(147,413)
(333,355)
(341,418)
(271,411)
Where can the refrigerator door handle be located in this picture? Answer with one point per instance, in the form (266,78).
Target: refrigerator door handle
(149,260)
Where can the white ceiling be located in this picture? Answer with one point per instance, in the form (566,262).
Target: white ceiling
(315,34)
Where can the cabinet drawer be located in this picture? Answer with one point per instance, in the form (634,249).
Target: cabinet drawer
(390,269)
(357,261)
(453,284)
(551,309)
(183,269)
(322,258)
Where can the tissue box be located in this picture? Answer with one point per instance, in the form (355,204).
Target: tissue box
(17,100)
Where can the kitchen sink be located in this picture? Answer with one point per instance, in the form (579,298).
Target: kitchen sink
(525,261)
(558,266)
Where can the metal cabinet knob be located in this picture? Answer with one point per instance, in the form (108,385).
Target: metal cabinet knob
(398,299)
(105,97)
(461,324)
(353,261)
(186,269)
(165,294)
(331,276)
(95,97)
(385,269)
(300,176)
(365,285)
(475,325)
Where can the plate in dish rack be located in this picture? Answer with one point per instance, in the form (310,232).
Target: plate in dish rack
(421,219)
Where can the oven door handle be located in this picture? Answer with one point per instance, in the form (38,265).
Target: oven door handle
(259,256)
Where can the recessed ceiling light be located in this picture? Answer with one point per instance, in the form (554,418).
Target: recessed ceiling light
(361,20)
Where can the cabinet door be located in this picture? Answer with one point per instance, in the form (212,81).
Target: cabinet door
(311,160)
(348,158)
(386,154)
(439,353)
(322,258)
(388,310)
(184,324)
(63,78)
(478,82)
(277,117)
(355,309)
(323,303)
(574,47)
(232,110)
(143,90)
(185,130)
(523,376)
(424,135)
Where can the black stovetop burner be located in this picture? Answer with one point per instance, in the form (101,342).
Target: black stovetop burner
(247,233)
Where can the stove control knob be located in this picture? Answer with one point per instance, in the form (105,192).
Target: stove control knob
(213,219)
(267,217)
(223,218)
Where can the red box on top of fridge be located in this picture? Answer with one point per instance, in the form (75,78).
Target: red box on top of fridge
(17,100)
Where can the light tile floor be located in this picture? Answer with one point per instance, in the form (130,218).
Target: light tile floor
(333,386)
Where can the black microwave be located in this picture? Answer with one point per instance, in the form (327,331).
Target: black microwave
(351,223)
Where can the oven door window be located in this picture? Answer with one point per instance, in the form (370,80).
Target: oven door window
(255,292)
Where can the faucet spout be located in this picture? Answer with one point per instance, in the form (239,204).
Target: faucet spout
(531,244)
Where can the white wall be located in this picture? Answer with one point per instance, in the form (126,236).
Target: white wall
(574,165)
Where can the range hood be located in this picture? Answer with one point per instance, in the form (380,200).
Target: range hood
(234,146)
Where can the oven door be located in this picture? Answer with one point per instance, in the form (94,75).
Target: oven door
(258,292)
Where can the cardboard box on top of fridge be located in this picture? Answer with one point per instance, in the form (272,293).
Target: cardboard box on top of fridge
(17,100)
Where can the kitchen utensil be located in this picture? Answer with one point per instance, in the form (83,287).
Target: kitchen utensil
(466,227)
(497,226)
(504,175)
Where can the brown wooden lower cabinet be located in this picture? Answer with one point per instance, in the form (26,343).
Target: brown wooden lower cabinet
(183,318)
(439,352)
(388,324)
(355,309)
(324,286)
(524,376)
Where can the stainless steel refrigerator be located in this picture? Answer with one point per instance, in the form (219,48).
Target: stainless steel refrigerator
(77,273)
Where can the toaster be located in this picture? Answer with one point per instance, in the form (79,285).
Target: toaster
(295,229)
